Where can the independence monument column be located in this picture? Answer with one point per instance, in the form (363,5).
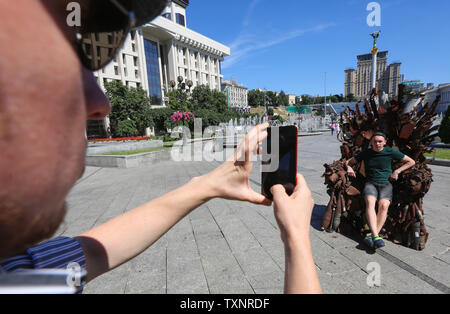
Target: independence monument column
(374,58)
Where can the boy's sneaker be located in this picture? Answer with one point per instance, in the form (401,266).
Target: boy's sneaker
(369,241)
(378,242)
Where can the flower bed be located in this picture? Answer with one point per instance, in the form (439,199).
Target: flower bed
(179,116)
(121,139)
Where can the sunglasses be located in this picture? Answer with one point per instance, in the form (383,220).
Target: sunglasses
(106,26)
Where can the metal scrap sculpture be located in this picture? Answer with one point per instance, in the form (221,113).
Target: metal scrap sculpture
(409,130)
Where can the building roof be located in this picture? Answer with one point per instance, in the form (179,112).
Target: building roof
(165,29)
(233,83)
(412,82)
(183,3)
(368,56)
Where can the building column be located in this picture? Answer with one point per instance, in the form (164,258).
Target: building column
(188,64)
(172,55)
(161,82)
(142,61)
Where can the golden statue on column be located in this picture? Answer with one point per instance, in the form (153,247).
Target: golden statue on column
(375,37)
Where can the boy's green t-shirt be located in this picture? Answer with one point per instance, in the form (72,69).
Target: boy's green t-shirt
(378,165)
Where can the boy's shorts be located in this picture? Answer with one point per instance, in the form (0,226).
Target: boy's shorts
(379,191)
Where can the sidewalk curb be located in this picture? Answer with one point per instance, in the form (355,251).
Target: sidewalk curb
(440,162)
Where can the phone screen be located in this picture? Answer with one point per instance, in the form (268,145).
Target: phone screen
(279,159)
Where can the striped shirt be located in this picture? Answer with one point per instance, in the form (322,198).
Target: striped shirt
(57,253)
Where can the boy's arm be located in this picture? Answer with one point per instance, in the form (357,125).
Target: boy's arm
(409,162)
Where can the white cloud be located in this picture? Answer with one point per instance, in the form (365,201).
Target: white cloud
(250,10)
(245,44)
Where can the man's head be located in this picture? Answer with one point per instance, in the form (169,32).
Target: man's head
(46,96)
(378,141)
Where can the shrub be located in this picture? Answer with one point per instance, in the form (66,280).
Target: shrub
(444,130)
(127,128)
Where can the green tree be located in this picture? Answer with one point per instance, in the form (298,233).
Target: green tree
(179,100)
(162,119)
(339,98)
(219,101)
(272,98)
(128,104)
(307,100)
(444,130)
(283,99)
(350,98)
(127,128)
(202,97)
(256,98)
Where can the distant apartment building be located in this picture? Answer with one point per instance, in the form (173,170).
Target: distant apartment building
(358,82)
(416,86)
(291,99)
(160,52)
(237,95)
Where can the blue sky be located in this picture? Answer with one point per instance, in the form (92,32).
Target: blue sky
(289,45)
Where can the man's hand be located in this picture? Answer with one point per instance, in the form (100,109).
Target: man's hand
(231,179)
(394,175)
(293,213)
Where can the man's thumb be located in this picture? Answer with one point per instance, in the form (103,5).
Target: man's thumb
(279,192)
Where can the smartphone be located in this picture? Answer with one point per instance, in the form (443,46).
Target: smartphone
(279,159)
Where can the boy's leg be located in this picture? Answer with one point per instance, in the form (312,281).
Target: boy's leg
(371,215)
(386,194)
(383,207)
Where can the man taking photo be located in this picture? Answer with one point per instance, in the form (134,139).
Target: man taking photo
(47,93)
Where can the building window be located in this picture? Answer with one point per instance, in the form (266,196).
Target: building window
(153,73)
(180,19)
(167,16)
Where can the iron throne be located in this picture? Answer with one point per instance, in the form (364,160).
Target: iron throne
(409,130)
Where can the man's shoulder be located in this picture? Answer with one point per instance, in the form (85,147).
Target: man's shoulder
(54,254)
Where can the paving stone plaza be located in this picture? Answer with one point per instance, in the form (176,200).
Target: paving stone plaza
(228,247)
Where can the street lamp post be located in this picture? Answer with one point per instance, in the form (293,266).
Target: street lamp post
(182,88)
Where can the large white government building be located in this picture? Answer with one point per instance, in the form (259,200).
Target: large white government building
(160,52)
